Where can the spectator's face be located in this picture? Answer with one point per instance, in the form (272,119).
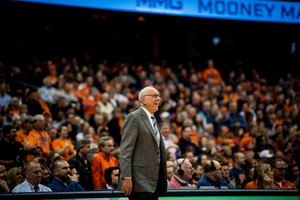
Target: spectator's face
(40,123)
(187,133)
(241,160)
(12,135)
(165,130)
(29,126)
(63,170)
(203,160)
(34,174)
(74,172)
(190,156)
(279,170)
(115,178)
(64,132)
(225,171)
(170,173)
(45,176)
(108,148)
(86,149)
(296,171)
(3,172)
(199,171)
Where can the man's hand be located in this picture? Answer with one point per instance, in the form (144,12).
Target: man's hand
(4,185)
(73,178)
(127,186)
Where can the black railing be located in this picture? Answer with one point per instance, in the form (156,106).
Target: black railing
(222,193)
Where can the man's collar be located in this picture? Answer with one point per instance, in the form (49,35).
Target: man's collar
(180,180)
(109,187)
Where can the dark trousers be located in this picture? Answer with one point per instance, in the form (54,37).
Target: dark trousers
(143,196)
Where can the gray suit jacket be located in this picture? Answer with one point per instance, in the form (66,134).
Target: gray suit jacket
(139,155)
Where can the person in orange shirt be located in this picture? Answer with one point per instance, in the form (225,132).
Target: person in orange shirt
(85,91)
(76,91)
(62,144)
(90,102)
(43,104)
(31,143)
(42,135)
(211,74)
(279,168)
(103,160)
(262,177)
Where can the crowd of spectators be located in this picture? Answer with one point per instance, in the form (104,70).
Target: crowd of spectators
(62,114)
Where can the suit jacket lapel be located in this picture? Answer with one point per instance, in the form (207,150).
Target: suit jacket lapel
(145,119)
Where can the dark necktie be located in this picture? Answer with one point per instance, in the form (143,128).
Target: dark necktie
(36,188)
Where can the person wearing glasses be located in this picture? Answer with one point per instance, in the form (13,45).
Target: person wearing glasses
(279,168)
(213,175)
(143,172)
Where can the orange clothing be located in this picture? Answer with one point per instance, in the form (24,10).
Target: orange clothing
(213,74)
(86,90)
(286,185)
(227,160)
(245,141)
(98,165)
(120,121)
(69,152)
(28,140)
(252,185)
(279,121)
(88,106)
(278,147)
(45,142)
(16,111)
(45,107)
(77,93)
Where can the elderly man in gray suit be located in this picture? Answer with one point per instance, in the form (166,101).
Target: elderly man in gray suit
(143,173)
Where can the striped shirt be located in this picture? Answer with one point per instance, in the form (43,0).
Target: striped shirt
(28,187)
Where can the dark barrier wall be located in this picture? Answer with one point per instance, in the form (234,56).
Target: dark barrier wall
(172,194)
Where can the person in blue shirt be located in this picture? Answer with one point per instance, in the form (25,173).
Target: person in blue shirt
(212,176)
(64,180)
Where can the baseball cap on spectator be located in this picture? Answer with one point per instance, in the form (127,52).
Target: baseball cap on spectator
(164,114)
(217,148)
(28,119)
(265,154)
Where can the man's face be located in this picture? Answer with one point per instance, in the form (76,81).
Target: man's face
(151,100)
(279,170)
(170,173)
(165,130)
(188,170)
(45,176)
(225,170)
(187,133)
(199,171)
(115,178)
(28,126)
(190,156)
(241,160)
(218,171)
(63,170)
(40,123)
(12,135)
(86,149)
(108,149)
(34,174)
(3,172)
